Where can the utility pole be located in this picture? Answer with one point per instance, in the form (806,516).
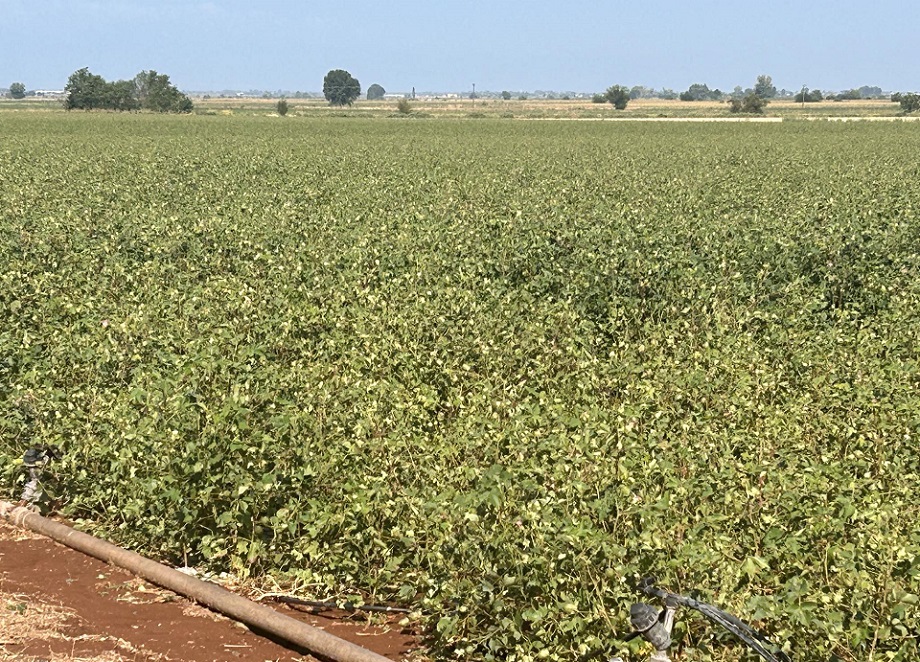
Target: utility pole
(473,97)
(804,92)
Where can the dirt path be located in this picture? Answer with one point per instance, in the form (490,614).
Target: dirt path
(58,604)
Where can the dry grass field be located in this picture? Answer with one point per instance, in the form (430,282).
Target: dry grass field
(513,109)
(548,108)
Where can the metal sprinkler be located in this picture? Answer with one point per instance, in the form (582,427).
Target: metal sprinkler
(655,626)
(35,460)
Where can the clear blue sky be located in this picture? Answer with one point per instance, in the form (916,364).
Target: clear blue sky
(447,45)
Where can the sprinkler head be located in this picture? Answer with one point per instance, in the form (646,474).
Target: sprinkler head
(651,625)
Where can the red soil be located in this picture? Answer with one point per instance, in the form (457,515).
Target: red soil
(104,613)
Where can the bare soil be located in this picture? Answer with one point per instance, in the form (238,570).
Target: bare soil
(59,604)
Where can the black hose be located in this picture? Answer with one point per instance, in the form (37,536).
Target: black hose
(733,624)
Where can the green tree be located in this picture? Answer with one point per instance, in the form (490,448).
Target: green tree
(618,95)
(340,88)
(17,91)
(86,91)
(764,87)
(156,93)
(148,90)
(282,107)
(375,92)
(700,92)
(848,95)
(910,103)
(506,95)
(121,95)
(809,96)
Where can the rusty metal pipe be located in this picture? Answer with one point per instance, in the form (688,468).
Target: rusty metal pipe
(211,595)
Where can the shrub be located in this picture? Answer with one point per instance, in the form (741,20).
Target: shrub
(910,102)
(282,107)
(375,92)
(618,95)
(751,104)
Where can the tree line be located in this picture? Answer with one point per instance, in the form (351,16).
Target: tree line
(153,91)
(148,90)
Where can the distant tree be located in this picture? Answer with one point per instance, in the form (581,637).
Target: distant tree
(18,91)
(282,107)
(148,90)
(751,104)
(340,88)
(375,92)
(403,107)
(641,92)
(599,98)
(156,93)
(700,92)
(618,95)
(896,97)
(522,97)
(870,92)
(910,103)
(809,96)
(121,95)
(848,95)
(764,87)
(668,94)
(506,95)
(85,91)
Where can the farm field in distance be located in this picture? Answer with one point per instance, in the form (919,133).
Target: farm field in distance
(495,371)
(522,109)
(553,108)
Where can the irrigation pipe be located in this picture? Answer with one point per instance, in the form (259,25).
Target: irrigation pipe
(218,598)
